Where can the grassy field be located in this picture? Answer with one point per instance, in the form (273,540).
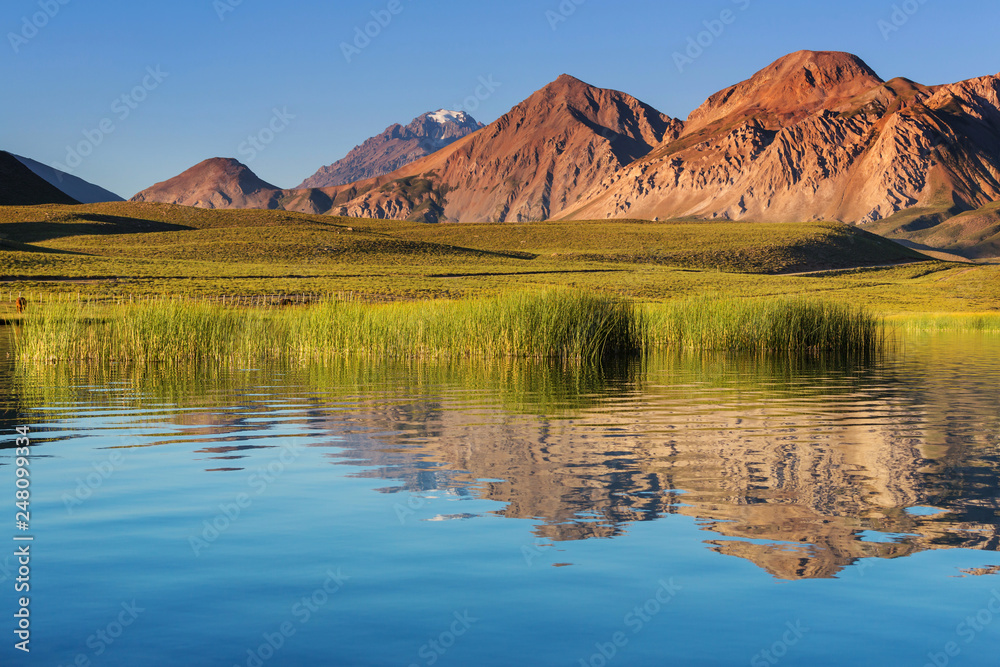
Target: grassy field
(134,250)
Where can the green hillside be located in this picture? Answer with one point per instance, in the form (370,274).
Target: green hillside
(138,248)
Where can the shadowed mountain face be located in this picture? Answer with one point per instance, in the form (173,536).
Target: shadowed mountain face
(396,147)
(973,234)
(19,186)
(77,188)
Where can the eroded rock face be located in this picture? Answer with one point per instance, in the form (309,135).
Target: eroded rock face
(818,136)
(532,163)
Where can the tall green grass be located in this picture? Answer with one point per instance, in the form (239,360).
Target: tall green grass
(563,325)
(986,322)
(569,325)
(744,325)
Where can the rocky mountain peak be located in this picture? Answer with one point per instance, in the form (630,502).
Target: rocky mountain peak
(788,90)
(397,146)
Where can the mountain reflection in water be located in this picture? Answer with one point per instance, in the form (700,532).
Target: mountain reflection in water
(801,465)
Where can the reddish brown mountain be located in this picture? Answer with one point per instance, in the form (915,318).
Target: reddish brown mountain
(819,136)
(787,91)
(396,147)
(214,183)
(531,164)
(813,136)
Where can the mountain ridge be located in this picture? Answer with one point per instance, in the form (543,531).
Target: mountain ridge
(20,186)
(815,135)
(534,160)
(397,146)
(77,188)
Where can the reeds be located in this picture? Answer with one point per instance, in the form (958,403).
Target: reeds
(747,325)
(558,324)
(928,322)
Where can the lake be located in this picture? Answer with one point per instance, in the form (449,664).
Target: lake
(688,509)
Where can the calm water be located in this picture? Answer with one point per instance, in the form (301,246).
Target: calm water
(696,510)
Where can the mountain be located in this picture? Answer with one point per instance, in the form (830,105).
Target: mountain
(19,186)
(819,136)
(816,135)
(531,164)
(214,183)
(77,188)
(396,147)
(787,91)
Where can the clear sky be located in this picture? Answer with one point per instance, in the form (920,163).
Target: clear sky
(199,77)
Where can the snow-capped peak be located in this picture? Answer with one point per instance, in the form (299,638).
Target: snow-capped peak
(443,116)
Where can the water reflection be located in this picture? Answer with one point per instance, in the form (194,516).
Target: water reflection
(800,465)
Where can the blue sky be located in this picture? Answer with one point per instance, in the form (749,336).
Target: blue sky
(199,77)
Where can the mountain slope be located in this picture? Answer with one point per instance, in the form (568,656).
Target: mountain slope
(214,183)
(77,188)
(19,186)
(531,164)
(396,147)
(814,136)
(787,91)
(973,234)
